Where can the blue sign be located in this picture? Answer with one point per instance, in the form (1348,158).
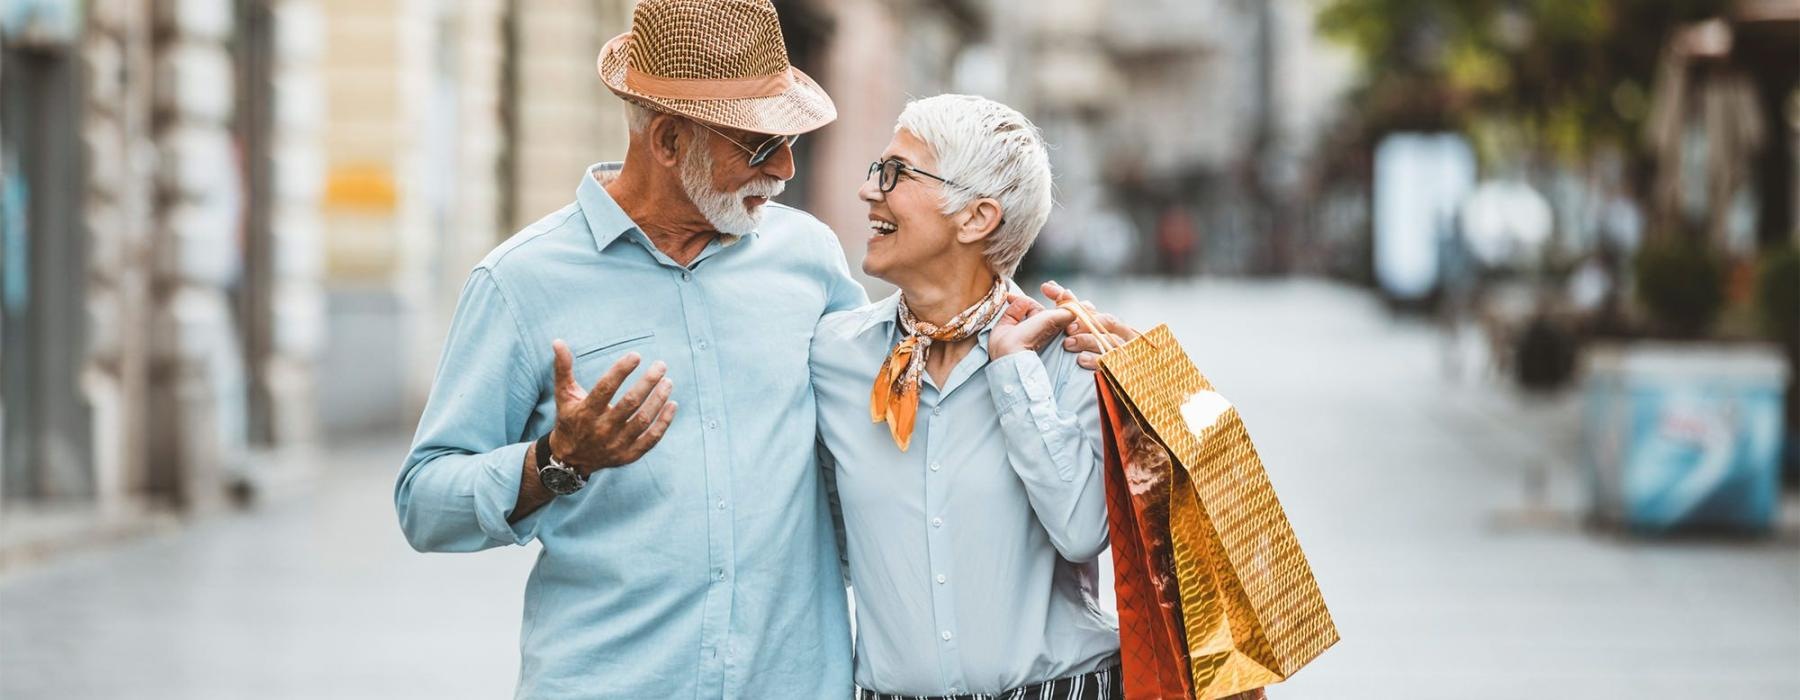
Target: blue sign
(1686,450)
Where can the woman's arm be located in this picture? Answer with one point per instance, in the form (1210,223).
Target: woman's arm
(1050,420)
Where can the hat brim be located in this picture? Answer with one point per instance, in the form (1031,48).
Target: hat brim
(800,109)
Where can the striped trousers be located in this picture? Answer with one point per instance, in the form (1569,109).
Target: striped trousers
(1098,685)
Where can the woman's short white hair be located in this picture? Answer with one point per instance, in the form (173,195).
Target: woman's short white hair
(989,150)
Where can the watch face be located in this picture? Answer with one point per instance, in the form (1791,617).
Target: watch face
(561,481)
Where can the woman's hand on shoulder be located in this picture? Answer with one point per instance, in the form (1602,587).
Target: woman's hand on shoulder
(1026,325)
(1084,340)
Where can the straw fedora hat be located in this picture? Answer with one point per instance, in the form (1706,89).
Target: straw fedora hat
(721,62)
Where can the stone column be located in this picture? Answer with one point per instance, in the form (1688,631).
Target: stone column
(117,209)
(294,336)
(196,428)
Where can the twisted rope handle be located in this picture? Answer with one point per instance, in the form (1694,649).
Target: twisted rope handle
(1087,319)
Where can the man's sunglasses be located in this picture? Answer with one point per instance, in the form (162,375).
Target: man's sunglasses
(763,152)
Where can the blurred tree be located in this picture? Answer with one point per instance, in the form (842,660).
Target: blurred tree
(1572,76)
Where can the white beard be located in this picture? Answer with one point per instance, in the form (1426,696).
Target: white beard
(724,210)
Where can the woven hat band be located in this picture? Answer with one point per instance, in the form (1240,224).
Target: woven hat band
(708,89)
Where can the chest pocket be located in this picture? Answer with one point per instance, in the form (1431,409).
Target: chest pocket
(592,359)
(632,486)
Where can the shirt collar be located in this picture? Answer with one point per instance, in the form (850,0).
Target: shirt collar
(605,218)
(884,311)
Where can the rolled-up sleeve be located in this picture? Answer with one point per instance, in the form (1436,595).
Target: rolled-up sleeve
(460,480)
(1051,429)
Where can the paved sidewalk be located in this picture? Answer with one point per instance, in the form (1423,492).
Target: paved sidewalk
(317,597)
(1409,492)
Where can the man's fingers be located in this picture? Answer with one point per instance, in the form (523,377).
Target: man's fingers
(634,397)
(1088,360)
(566,388)
(1019,308)
(654,433)
(1053,321)
(1084,343)
(652,405)
(1117,327)
(1077,327)
(1031,305)
(609,383)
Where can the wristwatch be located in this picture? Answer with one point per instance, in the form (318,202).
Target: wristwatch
(561,479)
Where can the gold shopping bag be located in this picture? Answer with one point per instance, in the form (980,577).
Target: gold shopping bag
(1250,612)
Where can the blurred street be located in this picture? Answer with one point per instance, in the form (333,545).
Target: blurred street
(1441,516)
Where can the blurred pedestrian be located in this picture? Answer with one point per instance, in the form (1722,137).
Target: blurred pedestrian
(1176,239)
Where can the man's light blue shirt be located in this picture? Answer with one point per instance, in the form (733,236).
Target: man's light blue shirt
(974,554)
(706,569)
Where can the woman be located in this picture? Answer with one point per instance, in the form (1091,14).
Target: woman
(973,504)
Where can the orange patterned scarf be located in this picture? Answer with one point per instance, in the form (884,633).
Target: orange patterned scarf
(895,398)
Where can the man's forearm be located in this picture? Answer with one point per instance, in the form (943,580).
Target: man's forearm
(532,494)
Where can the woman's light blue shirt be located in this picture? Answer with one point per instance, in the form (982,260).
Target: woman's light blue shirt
(974,554)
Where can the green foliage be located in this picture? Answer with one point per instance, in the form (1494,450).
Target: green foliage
(1573,73)
(1778,294)
(1682,284)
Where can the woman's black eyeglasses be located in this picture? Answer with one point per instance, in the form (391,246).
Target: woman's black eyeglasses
(890,174)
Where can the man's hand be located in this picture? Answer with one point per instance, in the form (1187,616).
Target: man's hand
(591,432)
(1026,325)
(1083,340)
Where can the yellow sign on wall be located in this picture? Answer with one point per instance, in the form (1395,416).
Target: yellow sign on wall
(362,188)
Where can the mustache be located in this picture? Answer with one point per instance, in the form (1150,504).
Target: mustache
(769,188)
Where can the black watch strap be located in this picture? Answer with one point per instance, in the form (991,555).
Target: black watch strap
(543,451)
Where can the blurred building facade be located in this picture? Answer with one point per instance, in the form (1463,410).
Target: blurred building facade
(161,297)
(1180,131)
(235,227)
(452,124)
(232,227)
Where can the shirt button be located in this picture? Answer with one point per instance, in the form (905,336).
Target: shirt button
(721,574)
(942,578)
(937,522)
(946,635)
(1008,390)
(702,345)
(937,411)
(935,466)
(687,276)
(712,425)
(721,504)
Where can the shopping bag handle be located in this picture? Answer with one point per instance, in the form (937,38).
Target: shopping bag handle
(1087,319)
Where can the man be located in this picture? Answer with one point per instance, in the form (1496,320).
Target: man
(707,566)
